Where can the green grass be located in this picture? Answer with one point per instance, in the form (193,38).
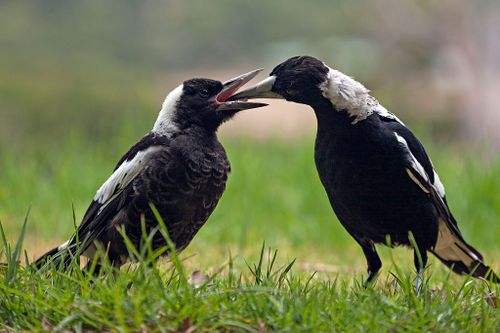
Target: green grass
(263,297)
(273,195)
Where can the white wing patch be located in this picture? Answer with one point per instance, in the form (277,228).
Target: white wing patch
(437,185)
(414,162)
(165,122)
(122,176)
(347,94)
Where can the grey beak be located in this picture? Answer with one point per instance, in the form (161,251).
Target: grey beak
(239,105)
(263,89)
(230,87)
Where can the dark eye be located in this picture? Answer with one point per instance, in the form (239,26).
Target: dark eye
(204,93)
(289,91)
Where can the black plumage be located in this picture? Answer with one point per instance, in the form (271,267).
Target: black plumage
(377,175)
(180,167)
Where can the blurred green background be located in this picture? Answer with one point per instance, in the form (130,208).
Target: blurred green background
(81,81)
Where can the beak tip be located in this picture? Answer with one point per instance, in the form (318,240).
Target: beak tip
(263,89)
(240,105)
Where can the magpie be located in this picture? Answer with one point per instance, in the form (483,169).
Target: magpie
(377,175)
(180,167)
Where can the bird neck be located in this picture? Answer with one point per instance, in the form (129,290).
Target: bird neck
(199,132)
(331,120)
(165,123)
(349,96)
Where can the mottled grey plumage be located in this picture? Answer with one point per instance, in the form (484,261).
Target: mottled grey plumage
(184,180)
(179,167)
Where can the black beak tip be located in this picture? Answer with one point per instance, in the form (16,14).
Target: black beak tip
(254,105)
(240,105)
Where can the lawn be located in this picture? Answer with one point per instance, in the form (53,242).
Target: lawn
(305,277)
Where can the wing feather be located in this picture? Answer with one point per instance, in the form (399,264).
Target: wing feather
(117,190)
(422,173)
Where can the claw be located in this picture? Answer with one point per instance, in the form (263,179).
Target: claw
(370,279)
(419,281)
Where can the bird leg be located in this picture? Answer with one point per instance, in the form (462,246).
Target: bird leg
(420,278)
(420,261)
(372,260)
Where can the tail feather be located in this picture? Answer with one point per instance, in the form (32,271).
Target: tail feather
(461,257)
(478,269)
(59,256)
(45,258)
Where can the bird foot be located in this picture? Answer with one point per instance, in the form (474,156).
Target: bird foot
(370,279)
(419,281)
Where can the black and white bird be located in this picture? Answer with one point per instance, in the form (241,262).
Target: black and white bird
(179,166)
(376,173)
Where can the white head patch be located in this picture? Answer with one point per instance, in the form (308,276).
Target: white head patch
(348,95)
(165,122)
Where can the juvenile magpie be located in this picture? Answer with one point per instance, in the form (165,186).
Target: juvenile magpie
(376,173)
(179,166)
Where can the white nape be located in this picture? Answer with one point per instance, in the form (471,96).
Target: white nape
(165,123)
(349,95)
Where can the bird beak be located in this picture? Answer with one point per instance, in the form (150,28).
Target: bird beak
(263,89)
(230,87)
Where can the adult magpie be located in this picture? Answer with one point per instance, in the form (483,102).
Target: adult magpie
(179,166)
(377,175)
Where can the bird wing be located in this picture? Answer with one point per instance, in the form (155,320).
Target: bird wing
(421,171)
(417,158)
(116,191)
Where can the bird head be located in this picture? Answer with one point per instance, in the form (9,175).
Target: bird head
(203,103)
(297,79)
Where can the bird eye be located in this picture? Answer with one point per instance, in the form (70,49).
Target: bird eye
(204,93)
(289,91)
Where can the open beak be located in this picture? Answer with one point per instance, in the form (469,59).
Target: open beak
(223,98)
(263,89)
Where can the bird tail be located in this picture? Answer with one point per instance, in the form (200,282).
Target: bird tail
(462,258)
(60,256)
